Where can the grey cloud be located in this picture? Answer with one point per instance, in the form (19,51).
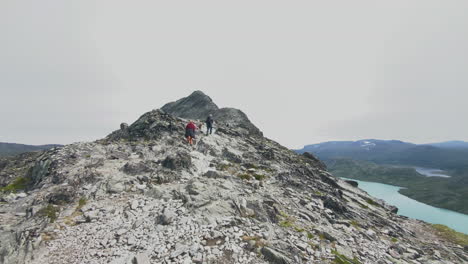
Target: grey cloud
(304,72)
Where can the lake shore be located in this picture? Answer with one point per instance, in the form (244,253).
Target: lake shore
(412,208)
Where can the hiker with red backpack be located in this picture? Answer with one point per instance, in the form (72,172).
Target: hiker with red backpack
(190,132)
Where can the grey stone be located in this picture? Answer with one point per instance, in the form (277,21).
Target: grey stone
(167,217)
(275,257)
(123,126)
(138,168)
(134,205)
(141,258)
(178,161)
(115,186)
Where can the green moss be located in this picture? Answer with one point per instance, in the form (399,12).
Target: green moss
(342,259)
(82,202)
(245,176)
(17,184)
(318,193)
(259,177)
(394,240)
(50,212)
(87,156)
(299,229)
(223,166)
(451,235)
(314,246)
(363,206)
(370,201)
(354,223)
(289,222)
(310,235)
(286,223)
(283,214)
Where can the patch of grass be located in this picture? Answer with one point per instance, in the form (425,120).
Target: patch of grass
(354,223)
(342,259)
(451,235)
(310,235)
(299,229)
(286,223)
(363,206)
(268,169)
(371,202)
(318,193)
(259,177)
(17,184)
(283,214)
(50,212)
(314,246)
(394,239)
(289,222)
(245,176)
(82,202)
(223,166)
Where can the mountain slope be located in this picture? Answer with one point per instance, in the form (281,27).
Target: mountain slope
(9,149)
(142,195)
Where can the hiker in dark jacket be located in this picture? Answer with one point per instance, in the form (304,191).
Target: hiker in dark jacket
(190,132)
(209,124)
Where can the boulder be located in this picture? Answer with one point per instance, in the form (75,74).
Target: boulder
(215,175)
(139,168)
(334,205)
(178,161)
(123,126)
(274,257)
(167,217)
(115,186)
(352,183)
(141,258)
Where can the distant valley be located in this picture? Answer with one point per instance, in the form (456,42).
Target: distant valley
(435,174)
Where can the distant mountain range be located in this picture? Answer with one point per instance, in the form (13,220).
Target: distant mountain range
(455,144)
(10,149)
(445,155)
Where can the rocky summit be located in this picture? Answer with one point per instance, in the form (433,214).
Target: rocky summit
(143,195)
(198,106)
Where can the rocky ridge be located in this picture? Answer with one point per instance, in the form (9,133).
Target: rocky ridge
(142,195)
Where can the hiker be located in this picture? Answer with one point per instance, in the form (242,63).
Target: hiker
(190,132)
(209,124)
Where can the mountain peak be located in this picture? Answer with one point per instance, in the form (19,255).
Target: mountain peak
(198,106)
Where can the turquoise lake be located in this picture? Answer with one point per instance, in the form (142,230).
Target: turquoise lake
(414,209)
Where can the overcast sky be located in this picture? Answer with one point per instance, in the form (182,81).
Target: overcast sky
(303,71)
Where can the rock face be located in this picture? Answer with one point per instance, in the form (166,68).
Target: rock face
(142,195)
(198,106)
